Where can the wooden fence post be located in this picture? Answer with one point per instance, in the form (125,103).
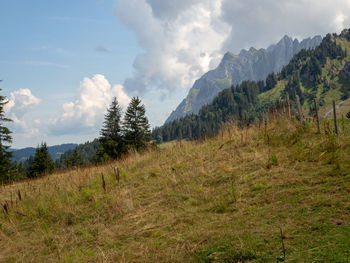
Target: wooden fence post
(335,118)
(117,176)
(103,182)
(288,105)
(317,119)
(299,111)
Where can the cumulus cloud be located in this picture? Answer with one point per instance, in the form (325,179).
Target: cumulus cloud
(87,111)
(185,38)
(181,41)
(25,129)
(22,101)
(260,23)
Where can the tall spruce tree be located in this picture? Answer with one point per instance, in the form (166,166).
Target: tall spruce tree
(5,140)
(42,162)
(112,144)
(135,126)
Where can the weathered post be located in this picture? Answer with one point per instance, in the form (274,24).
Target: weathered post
(317,119)
(19,195)
(288,105)
(5,207)
(335,118)
(280,106)
(246,120)
(117,176)
(103,182)
(299,110)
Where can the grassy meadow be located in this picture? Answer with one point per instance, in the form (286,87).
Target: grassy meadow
(274,193)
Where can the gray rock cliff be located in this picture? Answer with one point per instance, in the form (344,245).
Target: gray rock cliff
(250,64)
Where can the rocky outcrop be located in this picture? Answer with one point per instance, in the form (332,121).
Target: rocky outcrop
(344,74)
(250,64)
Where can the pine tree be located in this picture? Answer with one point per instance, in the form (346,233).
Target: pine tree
(5,139)
(111,141)
(17,171)
(135,126)
(42,162)
(74,160)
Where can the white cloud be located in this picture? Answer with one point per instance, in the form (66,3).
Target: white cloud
(181,41)
(87,111)
(339,21)
(260,23)
(123,98)
(21,127)
(184,39)
(21,102)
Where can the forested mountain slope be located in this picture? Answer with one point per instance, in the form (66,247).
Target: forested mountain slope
(250,65)
(322,73)
(82,154)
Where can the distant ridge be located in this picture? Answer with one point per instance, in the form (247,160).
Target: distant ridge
(250,64)
(55,151)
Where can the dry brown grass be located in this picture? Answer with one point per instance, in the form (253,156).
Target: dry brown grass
(219,200)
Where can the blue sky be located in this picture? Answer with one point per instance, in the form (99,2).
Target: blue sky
(63,61)
(50,46)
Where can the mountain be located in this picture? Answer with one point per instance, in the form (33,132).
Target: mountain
(250,64)
(55,151)
(322,73)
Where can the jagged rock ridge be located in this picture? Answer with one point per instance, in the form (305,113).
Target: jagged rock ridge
(250,64)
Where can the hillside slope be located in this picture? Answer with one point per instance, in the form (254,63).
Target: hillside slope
(322,73)
(224,199)
(250,64)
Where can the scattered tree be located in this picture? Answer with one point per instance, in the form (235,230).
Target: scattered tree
(135,126)
(17,171)
(74,160)
(42,162)
(112,144)
(86,151)
(5,140)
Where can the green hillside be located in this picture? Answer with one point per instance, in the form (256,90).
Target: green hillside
(330,85)
(322,73)
(223,199)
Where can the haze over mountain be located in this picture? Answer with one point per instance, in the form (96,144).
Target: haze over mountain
(250,64)
(55,151)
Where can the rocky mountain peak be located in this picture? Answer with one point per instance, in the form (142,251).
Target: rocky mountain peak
(248,65)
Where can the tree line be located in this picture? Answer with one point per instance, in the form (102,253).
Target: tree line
(119,134)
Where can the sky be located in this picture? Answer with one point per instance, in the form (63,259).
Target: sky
(63,61)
